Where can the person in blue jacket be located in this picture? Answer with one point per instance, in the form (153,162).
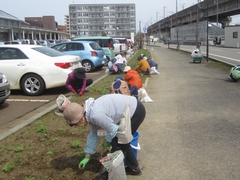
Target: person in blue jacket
(151,62)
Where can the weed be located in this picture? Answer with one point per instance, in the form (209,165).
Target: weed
(54,139)
(18,149)
(17,159)
(62,129)
(76,144)
(49,153)
(8,167)
(42,129)
(81,154)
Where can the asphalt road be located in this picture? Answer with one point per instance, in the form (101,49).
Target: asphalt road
(191,130)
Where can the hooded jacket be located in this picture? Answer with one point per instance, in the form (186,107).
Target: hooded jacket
(133,79)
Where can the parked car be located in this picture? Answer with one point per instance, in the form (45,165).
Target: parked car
(4,88)
(32,42)
(105,42)
(62,41)
(120,45)
(16,42)
(91,54)
(51,42)
(44,43)
(1,43)
(36,68)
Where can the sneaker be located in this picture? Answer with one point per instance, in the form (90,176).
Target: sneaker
(102,176)
(135,172)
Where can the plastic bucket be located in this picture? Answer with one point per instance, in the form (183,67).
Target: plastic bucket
(134,143)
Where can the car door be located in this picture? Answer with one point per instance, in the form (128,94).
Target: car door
(13,63)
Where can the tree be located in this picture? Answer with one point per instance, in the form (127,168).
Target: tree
(104,34)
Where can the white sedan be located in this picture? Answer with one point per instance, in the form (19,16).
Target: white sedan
(34,68)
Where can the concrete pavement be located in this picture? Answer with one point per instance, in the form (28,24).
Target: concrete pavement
(191,130)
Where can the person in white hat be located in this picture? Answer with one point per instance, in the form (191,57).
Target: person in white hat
(133,79)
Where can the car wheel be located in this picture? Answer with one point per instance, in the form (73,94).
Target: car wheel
(88,65)
(32,85)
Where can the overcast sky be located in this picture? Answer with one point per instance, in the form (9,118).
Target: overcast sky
(147,11)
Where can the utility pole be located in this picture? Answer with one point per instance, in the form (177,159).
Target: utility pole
(140,45)
(207,33)
(197,29)
(163,12)
(216,2)
(177,24)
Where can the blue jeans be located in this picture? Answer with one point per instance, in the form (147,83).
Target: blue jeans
(119,67)
(133,91)
(136,120)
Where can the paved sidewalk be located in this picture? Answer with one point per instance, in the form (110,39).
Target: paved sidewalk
(186,132)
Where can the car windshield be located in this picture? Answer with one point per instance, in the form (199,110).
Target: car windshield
(48,51)
(95,46)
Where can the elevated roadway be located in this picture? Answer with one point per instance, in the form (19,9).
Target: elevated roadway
(220,12)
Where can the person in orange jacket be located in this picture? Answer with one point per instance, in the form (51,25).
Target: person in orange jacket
(133,79)
(143,65)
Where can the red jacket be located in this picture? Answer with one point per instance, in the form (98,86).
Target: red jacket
(133,79)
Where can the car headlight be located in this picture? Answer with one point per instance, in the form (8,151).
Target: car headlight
(4,78)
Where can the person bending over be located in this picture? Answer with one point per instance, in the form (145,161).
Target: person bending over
(119,116)
(77,81)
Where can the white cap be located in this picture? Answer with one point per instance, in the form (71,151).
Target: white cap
(126,69)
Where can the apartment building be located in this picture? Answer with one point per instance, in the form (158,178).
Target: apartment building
(115,20)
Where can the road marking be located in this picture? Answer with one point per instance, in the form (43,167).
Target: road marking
(27,100)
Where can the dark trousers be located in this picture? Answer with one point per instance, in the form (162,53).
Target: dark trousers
(78,85)
(133,91)
(136,120)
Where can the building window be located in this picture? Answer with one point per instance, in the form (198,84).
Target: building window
(235,34)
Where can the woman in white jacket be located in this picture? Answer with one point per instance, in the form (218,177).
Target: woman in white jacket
(104,116)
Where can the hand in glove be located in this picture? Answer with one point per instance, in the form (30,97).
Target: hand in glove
(73,91)
(106,144)
(83,163)
(80,93)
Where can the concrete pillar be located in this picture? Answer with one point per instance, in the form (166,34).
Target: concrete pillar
(12,35)
(23,34)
